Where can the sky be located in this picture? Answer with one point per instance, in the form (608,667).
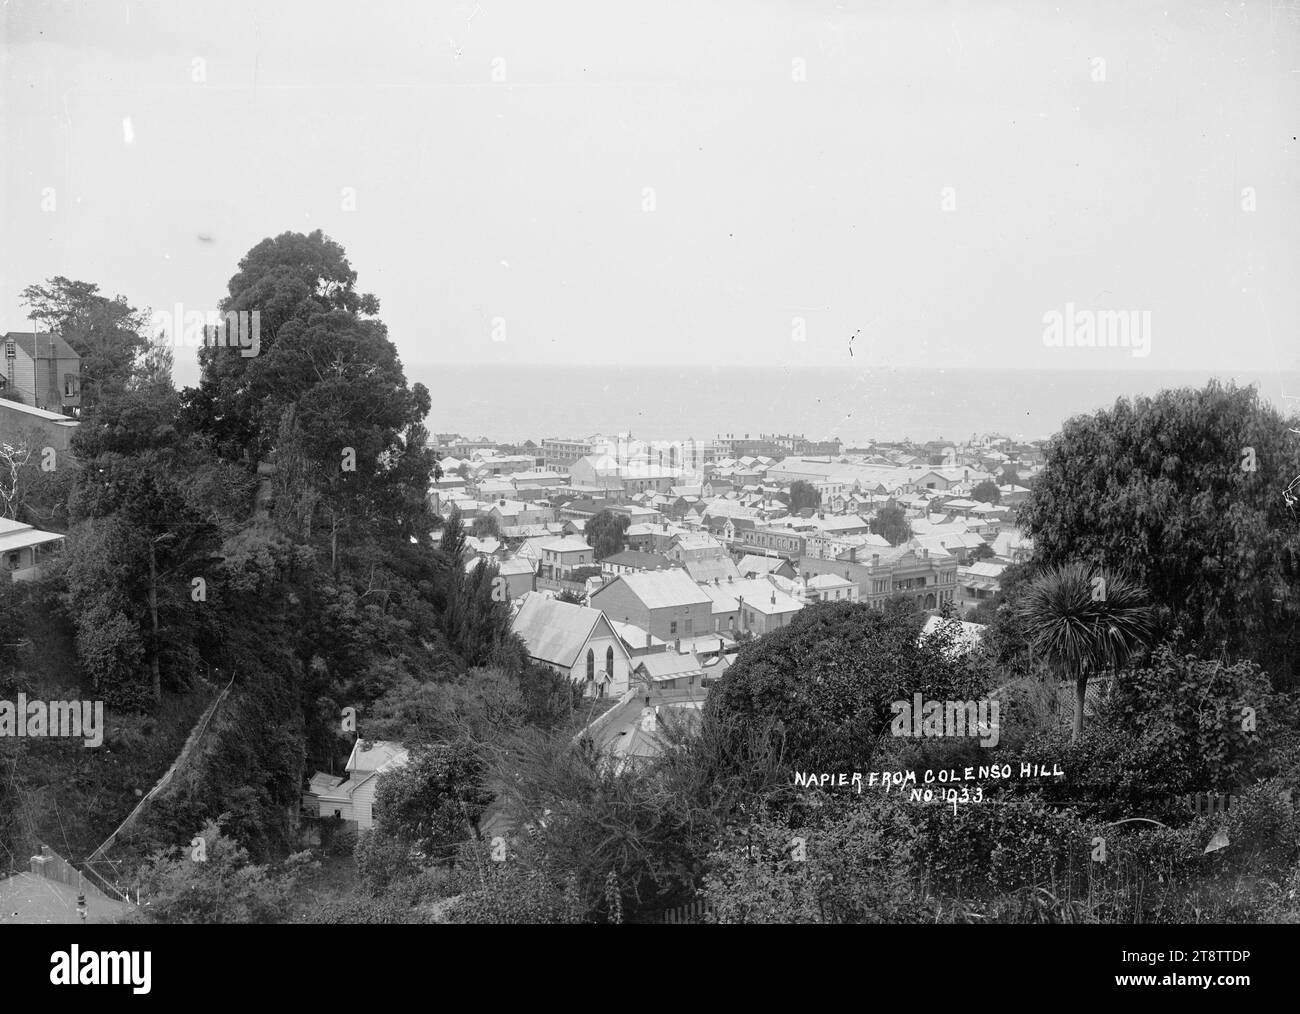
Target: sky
(733,182)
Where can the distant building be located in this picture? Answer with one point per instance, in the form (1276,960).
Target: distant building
(560,557)
(38,428)
(352,797)
(926,577)
(978,583)
(42,369)
(559,454)
(754,605)
(831,588)
(23,547)
(632,561)
(575,641)
(668,604)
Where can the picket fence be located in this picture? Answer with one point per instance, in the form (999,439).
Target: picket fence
(694,912)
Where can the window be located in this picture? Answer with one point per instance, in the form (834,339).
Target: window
(672,627)
(609,662)
(591,665)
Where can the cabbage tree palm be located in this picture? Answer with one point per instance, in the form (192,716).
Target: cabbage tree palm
(1085,620)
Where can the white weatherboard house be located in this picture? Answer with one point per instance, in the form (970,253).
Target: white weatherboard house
(22,548)
(576,641)
(352,798)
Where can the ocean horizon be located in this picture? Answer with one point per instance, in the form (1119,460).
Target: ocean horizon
(513,403)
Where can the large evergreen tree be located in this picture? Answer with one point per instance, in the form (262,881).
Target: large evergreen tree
(1185,491)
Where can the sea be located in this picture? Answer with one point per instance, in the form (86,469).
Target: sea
(513,403)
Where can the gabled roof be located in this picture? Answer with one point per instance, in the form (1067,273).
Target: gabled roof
(759,565)
(698,540)
(27,341)
(707,570)
(565,544)
(555,631)
(16,535)
(375,755)
(633,636)
(667,665)
(760,595)
(828,581)
(660,589)
(39,413)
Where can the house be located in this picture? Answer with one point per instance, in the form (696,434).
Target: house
(511,513)
(575,641)
(595,470)
(978,582)
(483,547)
(352,797)
(640,537)
(664,535)
(704,571)
(695,547)
(519,576)
(582,509)
(561,556)
(493,489)
(926,577)
(749,604)
(34,427)
(22,547)
(831,588)
(43,370)
(637,514)
(632,561)
(638,642)
(760,566)
(670,670)
(847,524)
(1013,547)
(667,603)
(547,480)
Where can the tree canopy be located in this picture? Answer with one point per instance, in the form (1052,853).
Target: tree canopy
(1185,490)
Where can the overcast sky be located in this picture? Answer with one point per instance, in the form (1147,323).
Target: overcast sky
(677,181)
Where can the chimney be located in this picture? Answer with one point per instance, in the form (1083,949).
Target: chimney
(720,648)
(853,554)
(40,862)
(677,645)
